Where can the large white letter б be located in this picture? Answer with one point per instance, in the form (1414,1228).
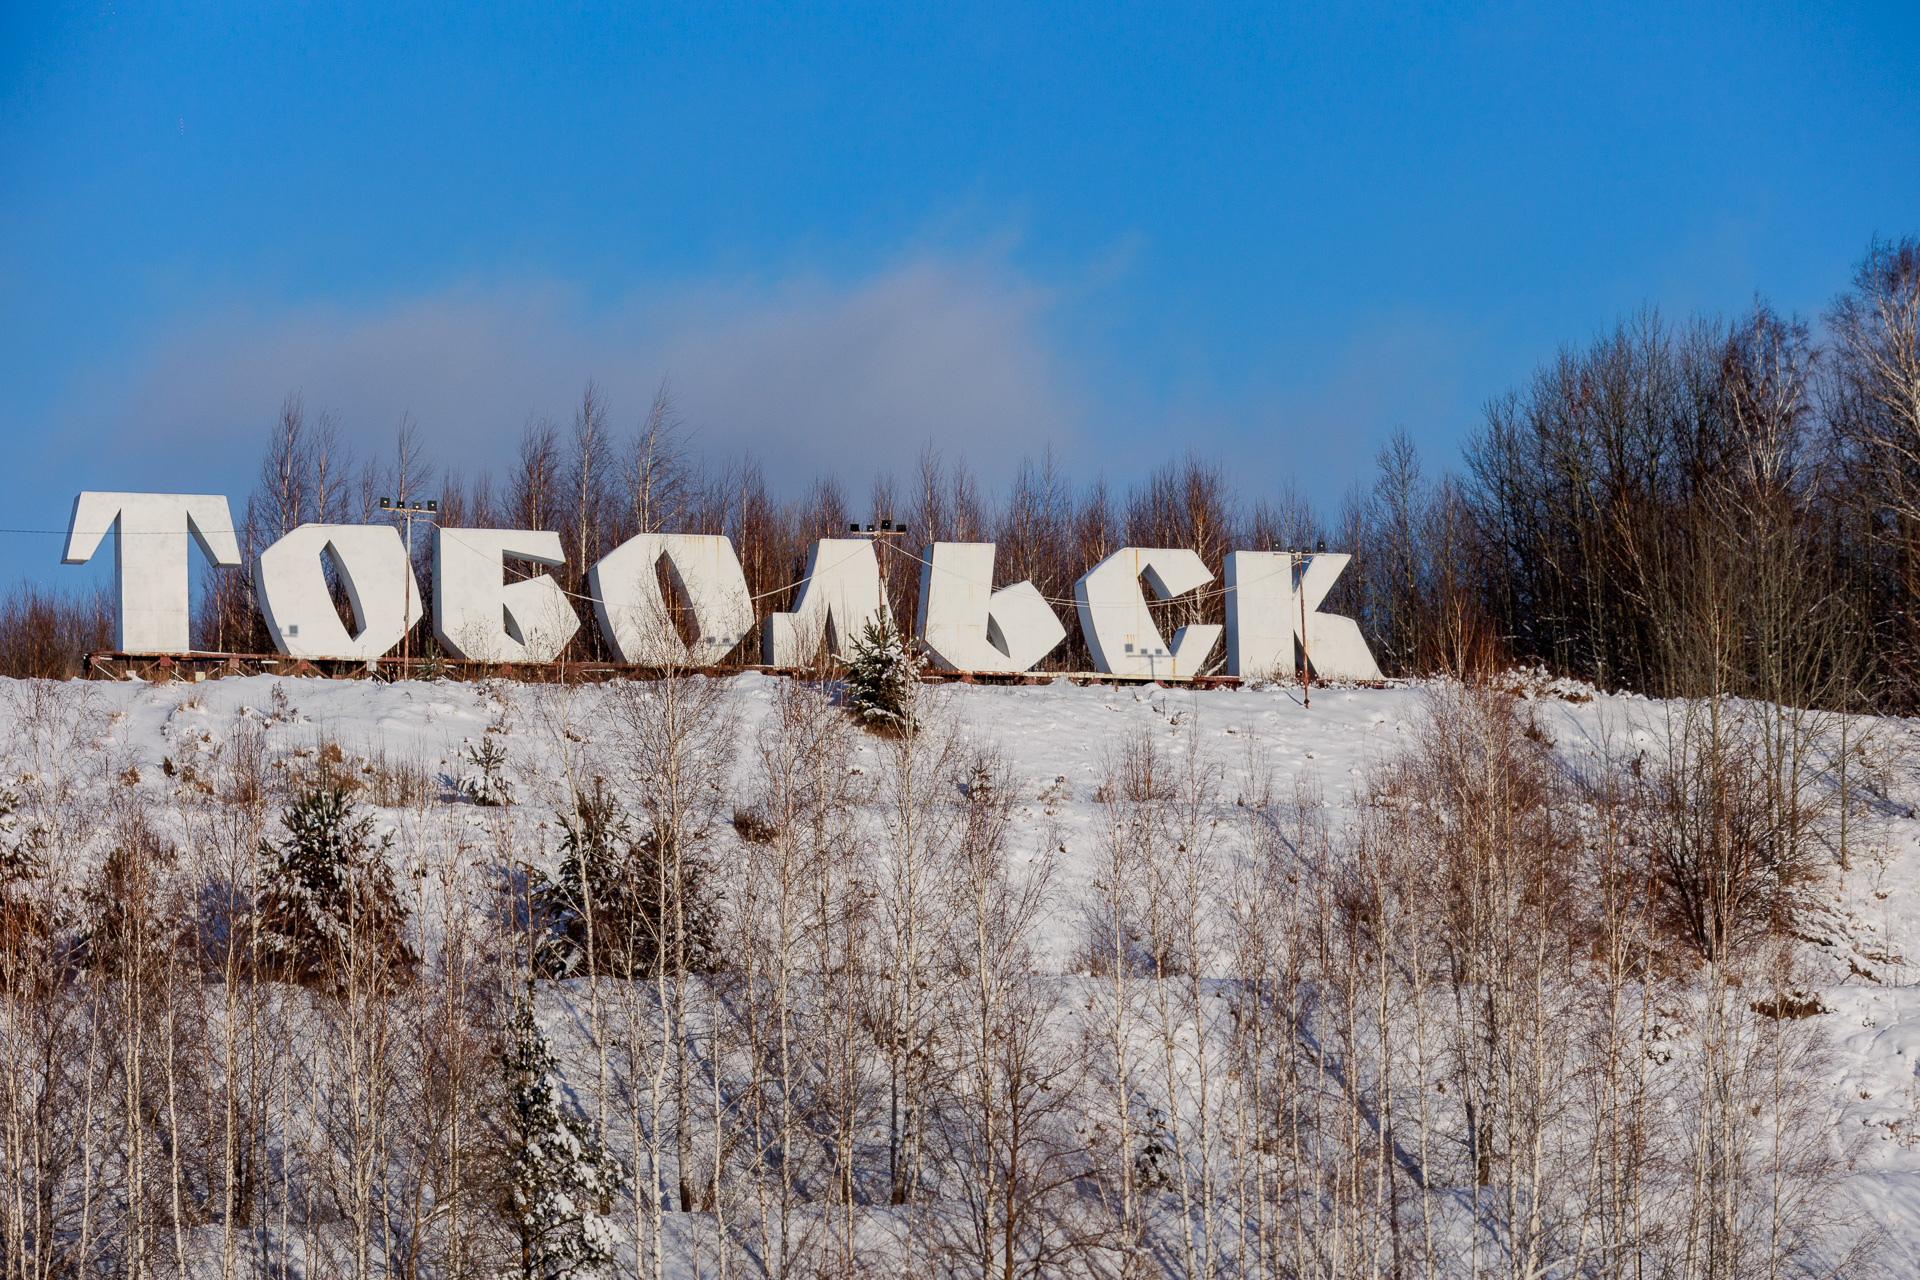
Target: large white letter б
(477,614)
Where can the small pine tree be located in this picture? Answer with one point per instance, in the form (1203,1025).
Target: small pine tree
(329,903)
(1150,1163)
(560,1177)
(881,675)
(621,905)
(485,779)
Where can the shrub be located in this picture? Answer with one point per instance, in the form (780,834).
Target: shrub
(623,904)
(47,634)
(130,914)
(329,911)
(32,924)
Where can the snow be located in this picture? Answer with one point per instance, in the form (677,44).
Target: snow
(1055,738)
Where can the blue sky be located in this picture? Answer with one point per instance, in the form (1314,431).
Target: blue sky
(1269,234)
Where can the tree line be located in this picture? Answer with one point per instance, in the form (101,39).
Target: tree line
(1717,504)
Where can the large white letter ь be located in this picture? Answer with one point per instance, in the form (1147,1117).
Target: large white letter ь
(968,626)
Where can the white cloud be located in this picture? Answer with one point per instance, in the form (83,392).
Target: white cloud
(808,376)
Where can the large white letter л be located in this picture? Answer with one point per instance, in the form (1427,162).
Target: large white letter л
(842,592)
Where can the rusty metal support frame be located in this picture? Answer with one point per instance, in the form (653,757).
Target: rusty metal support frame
(193,668)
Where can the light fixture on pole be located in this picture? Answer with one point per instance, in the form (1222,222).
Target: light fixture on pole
(409,512)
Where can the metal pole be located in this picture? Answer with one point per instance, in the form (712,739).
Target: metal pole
(1306,675)
(406,595)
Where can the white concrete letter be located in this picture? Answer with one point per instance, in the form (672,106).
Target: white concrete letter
(842,594)
(1264,618)
(1335,648)
(150,558)
(1113,613)
(633,612)
(968,626)
(478,615)
(290,579)
(1263,614)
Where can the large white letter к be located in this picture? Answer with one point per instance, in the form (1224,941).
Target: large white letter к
(1263,618)
(633,611)
(290,578)
(1113,613)
(150,558)
(968,626)
(479,615)
(843,592)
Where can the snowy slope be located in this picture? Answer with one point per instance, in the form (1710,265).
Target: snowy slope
(1055,738)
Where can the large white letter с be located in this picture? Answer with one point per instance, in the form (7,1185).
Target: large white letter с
(1119,631)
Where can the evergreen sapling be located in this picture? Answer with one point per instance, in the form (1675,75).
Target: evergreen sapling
(622,904)
(881,675)
(329,904)
(485,780)
(561,1178)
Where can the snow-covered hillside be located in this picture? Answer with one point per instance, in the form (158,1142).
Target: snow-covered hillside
(1861,952)
(1057,738)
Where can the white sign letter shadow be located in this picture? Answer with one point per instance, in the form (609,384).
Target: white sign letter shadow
(150,558)
(1113,613)
(477,614)
(968,626)
(633,612)
(290,578)
(842,594)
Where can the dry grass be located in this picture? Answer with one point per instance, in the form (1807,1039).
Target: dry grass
(48,634)
(372,774)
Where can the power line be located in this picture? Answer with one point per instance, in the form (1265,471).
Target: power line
(1199,593)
